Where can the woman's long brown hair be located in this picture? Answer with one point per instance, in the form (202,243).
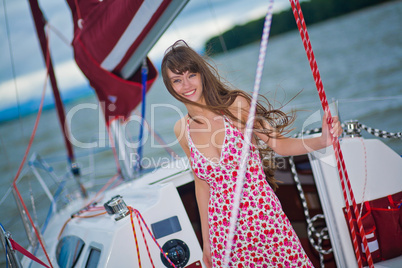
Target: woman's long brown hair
(219,97)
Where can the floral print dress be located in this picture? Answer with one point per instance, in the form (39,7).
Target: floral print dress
(264,236)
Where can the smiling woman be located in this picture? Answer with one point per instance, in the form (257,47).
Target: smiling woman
(342,47)
(212,136)
(187,84)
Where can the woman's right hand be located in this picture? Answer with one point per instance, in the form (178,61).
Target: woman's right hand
(206,256)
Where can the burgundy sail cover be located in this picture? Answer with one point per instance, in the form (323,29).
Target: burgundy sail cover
(106,34)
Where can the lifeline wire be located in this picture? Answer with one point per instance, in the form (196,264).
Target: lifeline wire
(47,60)
(248,132)
(335,142)
(10,48)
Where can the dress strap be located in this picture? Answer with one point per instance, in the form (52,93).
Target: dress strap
(188,123)
(189,140)
(227,119)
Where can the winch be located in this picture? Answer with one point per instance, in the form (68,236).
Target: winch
(352,129)
(117,206)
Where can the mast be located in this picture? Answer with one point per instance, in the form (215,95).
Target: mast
(40,23)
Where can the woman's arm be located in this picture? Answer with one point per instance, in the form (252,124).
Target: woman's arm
(291,146)
(286,146)
(201,193)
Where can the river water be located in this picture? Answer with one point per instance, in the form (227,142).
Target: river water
(359,57)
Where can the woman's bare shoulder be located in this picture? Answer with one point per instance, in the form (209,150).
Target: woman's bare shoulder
(180,128)
(240,108)
(241,102)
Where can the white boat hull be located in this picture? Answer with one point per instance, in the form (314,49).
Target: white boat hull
(372,167)
(161,207)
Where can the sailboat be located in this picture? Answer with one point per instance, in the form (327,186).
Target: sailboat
(151,221)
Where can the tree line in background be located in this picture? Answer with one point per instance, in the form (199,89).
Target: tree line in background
(314,11)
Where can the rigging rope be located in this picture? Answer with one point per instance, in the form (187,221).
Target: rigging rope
(221,39)
(159,139)
(143,236)
(135,237)
(62,37)
(139,216)
(77,215)
(297,12)
(103,189)
(248,133)
(10,47)
(310,229)
(310,221)
(365,173)
(26,155)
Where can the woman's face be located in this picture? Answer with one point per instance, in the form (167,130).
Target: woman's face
(188,85)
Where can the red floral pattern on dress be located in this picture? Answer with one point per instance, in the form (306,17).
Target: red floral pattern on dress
(264,236)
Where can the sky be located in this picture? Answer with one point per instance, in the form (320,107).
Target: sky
(20,55)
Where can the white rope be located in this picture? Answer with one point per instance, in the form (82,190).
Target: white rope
(312,232)
(248,132)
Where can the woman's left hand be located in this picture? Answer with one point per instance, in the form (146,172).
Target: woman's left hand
(327,132)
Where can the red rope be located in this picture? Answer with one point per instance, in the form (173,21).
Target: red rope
(135,236)
(27,152)
(159,139)
(297,12)
(103,189)
(139,216)
(143,236)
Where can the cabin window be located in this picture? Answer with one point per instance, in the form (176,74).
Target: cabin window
(68,251)
(93,258)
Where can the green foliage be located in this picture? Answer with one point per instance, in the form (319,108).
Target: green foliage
(313,11)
